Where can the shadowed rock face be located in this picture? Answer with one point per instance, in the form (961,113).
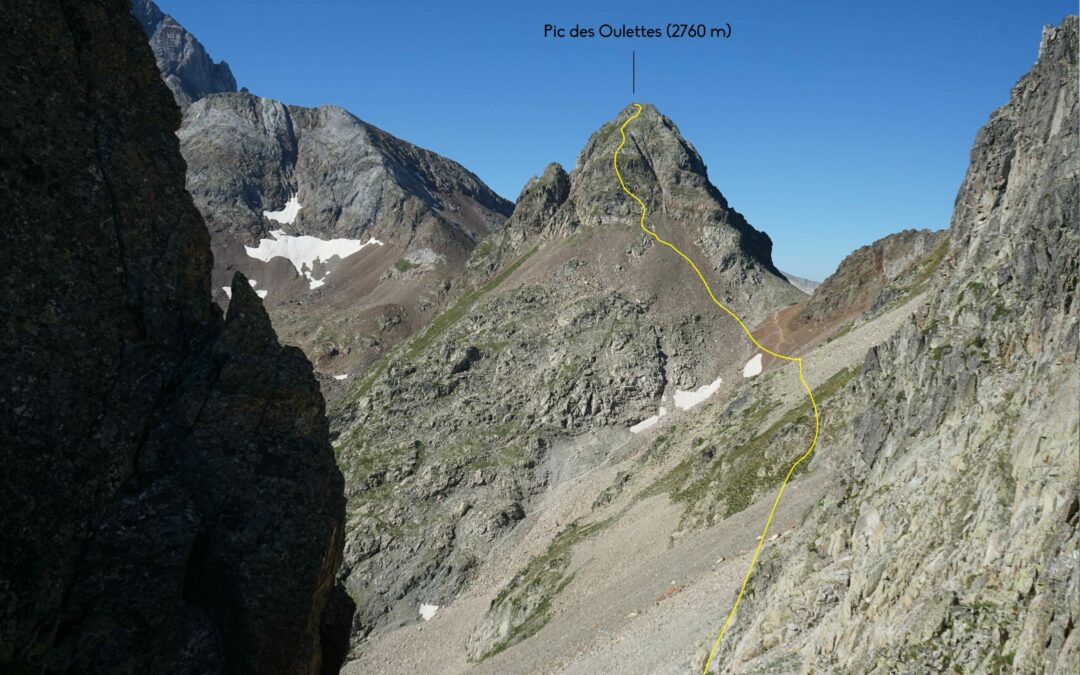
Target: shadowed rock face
(185,66)
(169,500)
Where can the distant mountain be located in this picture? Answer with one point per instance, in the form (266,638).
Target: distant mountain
(805,285)
(185,66)
(352,236)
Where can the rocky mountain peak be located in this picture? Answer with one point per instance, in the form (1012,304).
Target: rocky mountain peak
(656,163)
(663,168)
(539,207)
(185,66)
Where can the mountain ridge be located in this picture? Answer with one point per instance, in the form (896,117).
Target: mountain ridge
(184,64)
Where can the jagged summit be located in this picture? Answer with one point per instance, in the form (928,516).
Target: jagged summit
(650,126)
(538,211)
(655,160)
(658,164)
(185,66)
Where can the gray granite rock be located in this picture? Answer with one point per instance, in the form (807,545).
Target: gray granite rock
(952,542)
(185,66)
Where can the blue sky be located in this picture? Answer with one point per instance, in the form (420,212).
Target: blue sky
(829,125)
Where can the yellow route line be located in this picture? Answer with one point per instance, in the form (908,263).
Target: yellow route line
(733,315)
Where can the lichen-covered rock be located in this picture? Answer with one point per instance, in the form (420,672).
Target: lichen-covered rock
(169,500)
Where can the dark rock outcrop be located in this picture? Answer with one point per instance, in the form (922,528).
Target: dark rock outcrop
(183,62)
(169,501)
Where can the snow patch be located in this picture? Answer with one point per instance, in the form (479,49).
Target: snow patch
(286,215)
(305,251)
(752,367)
(684,400)
(428,611)
(340,377)
(645,424)
(252,282)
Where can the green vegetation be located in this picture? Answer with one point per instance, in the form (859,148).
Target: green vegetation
(483,249)
(533,588)
(437,327)
(448,318)
(941,350)
(363,385)
(841,333)
(745,468)
(929,264)
(404,265)
(924,270)
(1002,663)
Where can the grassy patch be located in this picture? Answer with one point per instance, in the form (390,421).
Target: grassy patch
(928,265)
(741,470)
(364,384)
(924,270)
(938,352)
(842,332)
(448,318)
(404,265)
(545,577)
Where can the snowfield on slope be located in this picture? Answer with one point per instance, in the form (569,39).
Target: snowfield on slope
(305,251)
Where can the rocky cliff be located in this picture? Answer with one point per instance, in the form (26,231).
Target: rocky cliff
(862,278)
(185,66)
(951,542)
(169,500)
